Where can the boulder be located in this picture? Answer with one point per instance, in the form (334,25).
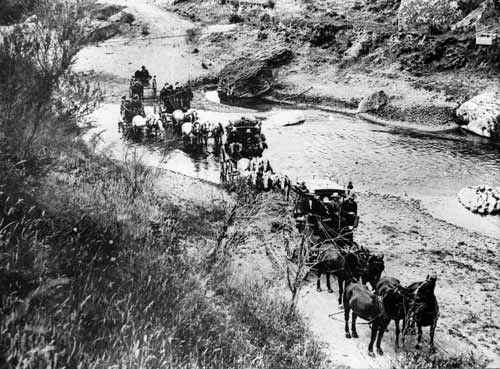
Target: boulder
(252,77)
(481,114)
(102,30)
(484,200)
(245,78)
(373,102)
(487,13)
(122,18)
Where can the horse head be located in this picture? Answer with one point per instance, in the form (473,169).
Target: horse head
(426,289)
(374,267)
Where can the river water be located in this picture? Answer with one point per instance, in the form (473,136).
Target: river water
(431,167)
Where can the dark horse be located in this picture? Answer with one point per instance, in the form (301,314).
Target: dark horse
(424,308)
(345,265)
(396,301)
(368,306)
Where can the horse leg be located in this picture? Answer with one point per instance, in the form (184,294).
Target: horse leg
(381,330)
(419,339)
(432,331)
(341,290)
(346,318)
(353,326)
(396,323)
(318,282)
(328,283)
(372,338)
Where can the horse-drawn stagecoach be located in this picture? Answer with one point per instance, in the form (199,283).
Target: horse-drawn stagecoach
(328,209)
(244,140)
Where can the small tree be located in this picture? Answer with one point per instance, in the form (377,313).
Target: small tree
(297,265)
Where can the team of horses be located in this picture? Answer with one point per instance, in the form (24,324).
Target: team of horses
(141,127)
(197,133)
(354,267)
(259,175)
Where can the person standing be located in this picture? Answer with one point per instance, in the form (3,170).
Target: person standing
(335,210)
(154,86)
(350,187)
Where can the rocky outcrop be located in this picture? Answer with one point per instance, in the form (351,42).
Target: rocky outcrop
(359,47)
(102,30)
(251,77)
(373,102)
(481,115)
(245,78)
(122,17)
(434,16)
(487,13)
(481,199)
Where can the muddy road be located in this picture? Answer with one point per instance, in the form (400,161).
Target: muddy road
(406,180)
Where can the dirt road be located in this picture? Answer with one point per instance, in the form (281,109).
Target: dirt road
(165,51)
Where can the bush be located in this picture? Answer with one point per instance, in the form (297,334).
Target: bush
(435,16)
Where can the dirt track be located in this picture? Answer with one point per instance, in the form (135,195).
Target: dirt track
(415,244)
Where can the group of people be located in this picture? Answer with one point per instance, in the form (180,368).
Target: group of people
(175,97)
(130,108)
(337,212)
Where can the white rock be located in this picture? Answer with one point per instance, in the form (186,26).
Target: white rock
(480,199)
(481,114)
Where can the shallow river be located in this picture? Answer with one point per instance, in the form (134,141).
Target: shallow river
(431,167)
